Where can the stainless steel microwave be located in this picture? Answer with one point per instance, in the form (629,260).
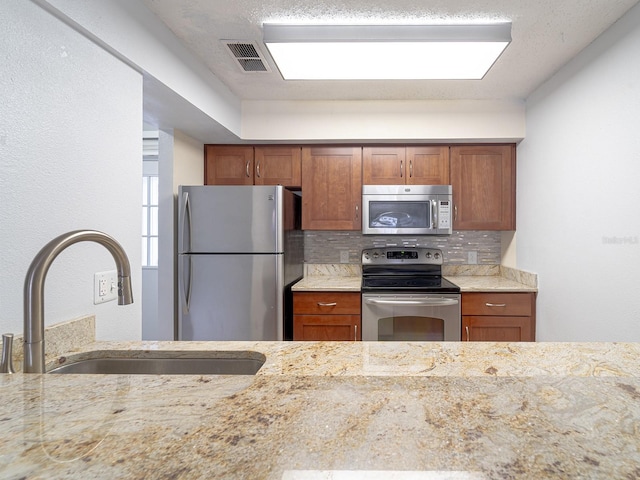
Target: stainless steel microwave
(407,209)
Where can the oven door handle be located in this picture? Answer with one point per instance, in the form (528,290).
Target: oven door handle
(436,301)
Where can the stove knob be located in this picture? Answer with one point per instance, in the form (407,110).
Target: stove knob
(436,256)
(428,254)
(366,255)
(375,255)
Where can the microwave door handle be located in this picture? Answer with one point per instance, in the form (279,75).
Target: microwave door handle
(436,301)
(434,214)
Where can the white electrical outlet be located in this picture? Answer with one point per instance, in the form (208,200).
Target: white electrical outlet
(344,256)
(105,287)
(472,258)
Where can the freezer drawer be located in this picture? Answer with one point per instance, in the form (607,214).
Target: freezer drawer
(230,297)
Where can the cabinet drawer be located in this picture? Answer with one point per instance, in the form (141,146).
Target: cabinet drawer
(333,328)
(497,304)
(326,303)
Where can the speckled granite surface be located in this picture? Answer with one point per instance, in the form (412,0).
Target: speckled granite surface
(489,283)
(61,337)
(319,283)
(481,410)
(470,278)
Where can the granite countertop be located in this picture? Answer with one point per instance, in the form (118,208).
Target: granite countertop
(325,283)
(470,278)
(320,410)
(489,283)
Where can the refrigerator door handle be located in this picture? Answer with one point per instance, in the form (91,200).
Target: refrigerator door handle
(185,287)
(185,235)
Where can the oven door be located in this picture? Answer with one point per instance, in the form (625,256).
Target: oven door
(411,317)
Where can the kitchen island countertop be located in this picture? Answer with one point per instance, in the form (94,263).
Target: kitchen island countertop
(484,410)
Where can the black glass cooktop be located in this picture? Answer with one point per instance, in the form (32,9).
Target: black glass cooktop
(408,283)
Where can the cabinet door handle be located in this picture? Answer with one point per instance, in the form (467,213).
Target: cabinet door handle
(411,168)
(355,337)
(357,212)
(496,304)
(247,169)
(467,330)
(323,304)
(258,169)
(455,212)
(401,169)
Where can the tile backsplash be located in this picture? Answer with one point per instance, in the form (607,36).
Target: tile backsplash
(336,246)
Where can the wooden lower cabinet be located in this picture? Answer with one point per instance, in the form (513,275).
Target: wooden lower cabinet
(326,316)
(498,317)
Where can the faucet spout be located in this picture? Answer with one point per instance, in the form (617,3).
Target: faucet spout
(34,288)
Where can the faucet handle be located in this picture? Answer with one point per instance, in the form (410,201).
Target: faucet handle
(6,361)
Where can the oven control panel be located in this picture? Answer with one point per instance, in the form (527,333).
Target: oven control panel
(396,255)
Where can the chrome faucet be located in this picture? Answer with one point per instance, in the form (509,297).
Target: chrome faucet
(34,289)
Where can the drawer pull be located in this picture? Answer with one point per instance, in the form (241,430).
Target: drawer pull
(496,304)
(323,304)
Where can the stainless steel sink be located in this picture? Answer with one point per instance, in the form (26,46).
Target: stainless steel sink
(220,365)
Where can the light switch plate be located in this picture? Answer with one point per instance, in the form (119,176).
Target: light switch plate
(472,258)
(344,256)
(105,287)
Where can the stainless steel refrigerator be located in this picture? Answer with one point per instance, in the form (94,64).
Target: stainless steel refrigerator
(240,249)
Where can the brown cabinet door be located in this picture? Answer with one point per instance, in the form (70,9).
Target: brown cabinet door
(326,303)
(383,165)
(228,165)
(483,179)
(332,186)
(278,166)
(496,329)
(326,327)
(498,304)
(427,166)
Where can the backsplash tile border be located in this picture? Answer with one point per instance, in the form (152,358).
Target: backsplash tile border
(325,247)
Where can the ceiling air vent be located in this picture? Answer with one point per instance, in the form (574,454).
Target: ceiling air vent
(247,56)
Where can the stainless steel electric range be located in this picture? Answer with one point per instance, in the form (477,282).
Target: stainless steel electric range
(405,297)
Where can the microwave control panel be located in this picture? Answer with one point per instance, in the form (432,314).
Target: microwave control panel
(444,214)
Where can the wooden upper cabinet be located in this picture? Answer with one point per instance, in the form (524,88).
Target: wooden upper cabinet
(228,165)
(405,165)
(427,166)
(278,166)
(383,165)
(246,165)
(484,187)
(332,188)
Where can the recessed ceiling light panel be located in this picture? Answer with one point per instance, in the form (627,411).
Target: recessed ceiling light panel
(380,52)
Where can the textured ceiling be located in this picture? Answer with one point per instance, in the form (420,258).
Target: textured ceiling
(546,35)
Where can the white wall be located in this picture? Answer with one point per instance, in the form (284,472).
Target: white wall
(579,192)
(70,158)
(419,121)
(181,161)
(177,84)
